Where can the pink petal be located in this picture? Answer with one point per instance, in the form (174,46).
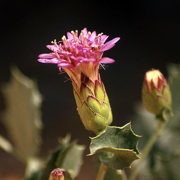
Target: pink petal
(53,61)
(46,56)
(109,44)
(64,52)
(93,35)
(66,65)
(103,38)
(52,48)
(89,60)
(83,59)
(69,35)
(85,31)
(106,60)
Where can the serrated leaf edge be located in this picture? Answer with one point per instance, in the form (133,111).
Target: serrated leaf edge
(121,127)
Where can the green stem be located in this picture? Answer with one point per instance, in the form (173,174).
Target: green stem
(101,172)
(148,148)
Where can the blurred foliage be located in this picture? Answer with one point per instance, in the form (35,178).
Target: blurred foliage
(174,82)
(164,160)
(22,120)
(67,156)
(113,174)
(22,117)
(5,145)
(116,146)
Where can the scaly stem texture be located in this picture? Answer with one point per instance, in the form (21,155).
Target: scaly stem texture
(101,172)
(148,148)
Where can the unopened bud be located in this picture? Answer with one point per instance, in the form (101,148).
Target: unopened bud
(93,105)
(57,174)
(156,94)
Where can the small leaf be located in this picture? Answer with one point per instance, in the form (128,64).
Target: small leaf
(67,156)
(22,117)
(72,160)
(116,146)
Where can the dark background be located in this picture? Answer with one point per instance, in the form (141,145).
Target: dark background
(150,38)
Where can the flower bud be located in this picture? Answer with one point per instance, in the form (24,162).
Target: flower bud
(57,174)
(93,105)
(156,95)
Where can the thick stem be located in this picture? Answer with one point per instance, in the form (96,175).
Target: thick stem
(101,172)
(148,148)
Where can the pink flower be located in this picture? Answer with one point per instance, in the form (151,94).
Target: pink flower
(75,50)
(79,54)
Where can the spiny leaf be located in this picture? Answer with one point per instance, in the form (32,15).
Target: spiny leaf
(22,116)
(116,146)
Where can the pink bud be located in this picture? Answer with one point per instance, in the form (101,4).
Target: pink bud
(57,174)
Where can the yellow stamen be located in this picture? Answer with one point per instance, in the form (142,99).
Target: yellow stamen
(63,38)
(100,34)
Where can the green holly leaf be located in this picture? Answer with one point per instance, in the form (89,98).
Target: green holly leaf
(116,146)
(67,156)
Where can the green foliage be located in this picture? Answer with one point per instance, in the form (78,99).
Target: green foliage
(34,176)
(174,82)
(22,117)
(113,174)
(67,156)
(164,160)
(116,146)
